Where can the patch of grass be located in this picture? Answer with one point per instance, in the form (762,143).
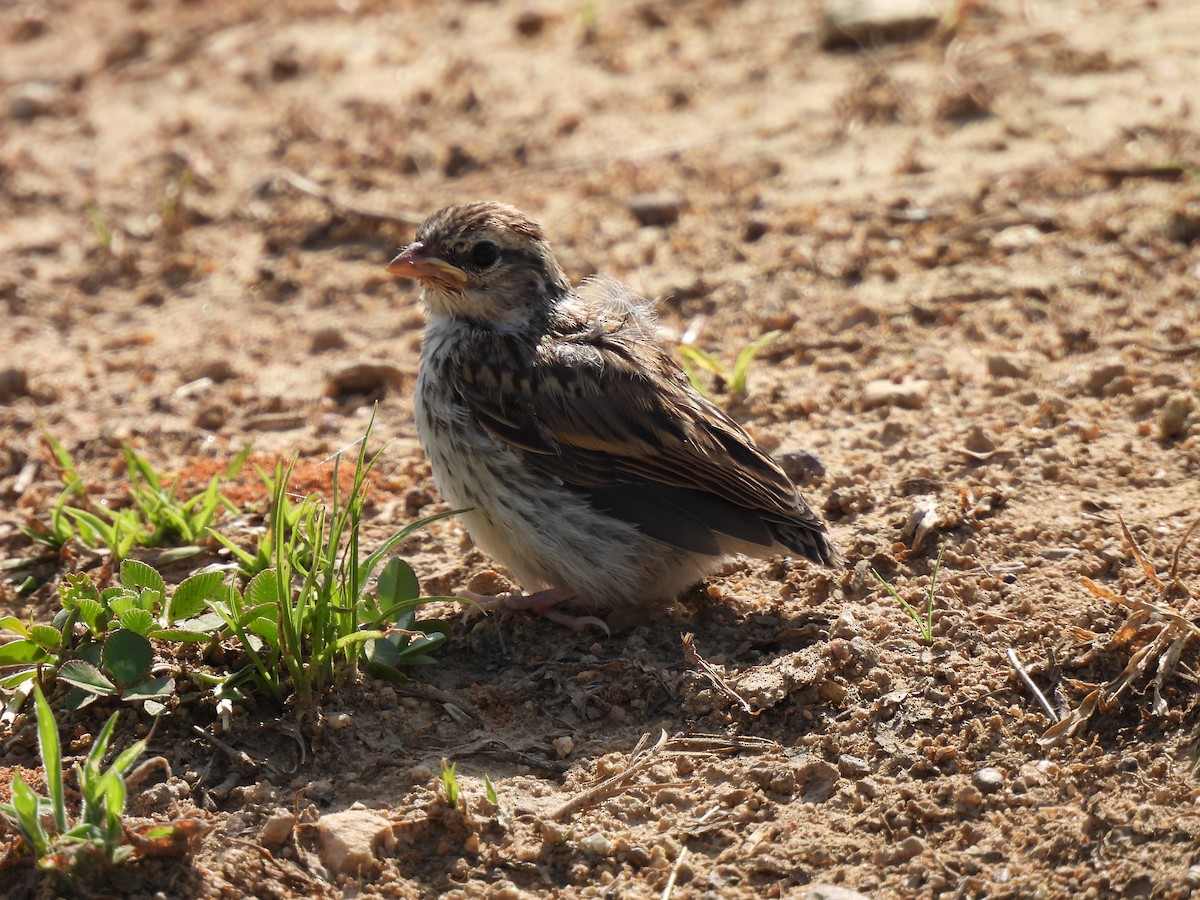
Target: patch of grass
(164,517)
(97,836)
(735,378)
(922,618)
(307,618)
(156,516)
(284,514)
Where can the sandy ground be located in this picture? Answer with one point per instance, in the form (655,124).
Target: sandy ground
(982,248)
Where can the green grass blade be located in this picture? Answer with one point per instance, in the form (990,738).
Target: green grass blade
(137,465)
(27,810)
(127,757)
(51,752)
(247,559)
(238,462)
(100,747)
(741,366)
(70,473)
(114,813)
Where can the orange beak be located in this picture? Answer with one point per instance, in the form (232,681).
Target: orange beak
(414,262)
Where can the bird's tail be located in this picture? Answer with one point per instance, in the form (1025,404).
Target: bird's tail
(809,540)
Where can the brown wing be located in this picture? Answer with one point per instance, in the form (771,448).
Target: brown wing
(611,416)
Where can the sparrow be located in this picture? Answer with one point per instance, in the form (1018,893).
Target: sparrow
(586,462)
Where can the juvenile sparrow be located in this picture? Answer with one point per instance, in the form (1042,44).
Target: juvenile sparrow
(590,466)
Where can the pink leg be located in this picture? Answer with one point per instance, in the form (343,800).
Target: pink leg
(540,603)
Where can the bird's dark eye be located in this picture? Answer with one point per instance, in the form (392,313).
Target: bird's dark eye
(485,254)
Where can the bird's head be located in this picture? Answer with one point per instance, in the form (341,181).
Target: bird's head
(486,263)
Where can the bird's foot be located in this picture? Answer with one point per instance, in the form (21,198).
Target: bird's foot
(540,603)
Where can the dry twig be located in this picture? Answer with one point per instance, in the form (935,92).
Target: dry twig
(692,655)
(1156,632)
(638,760)
(670,886)
(1030,686)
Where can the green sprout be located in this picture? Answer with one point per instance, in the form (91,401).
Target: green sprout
(923,619)
(734,379)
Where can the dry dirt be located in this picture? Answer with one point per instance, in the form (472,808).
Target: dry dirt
(1001,219)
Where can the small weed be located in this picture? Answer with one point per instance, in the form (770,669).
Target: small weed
(101,227)
(309,616)
(306,617)
(923,619)
(98,834)
(284,514)
(733,379)
(589,17)
(99,641)
(156,517)
(164,516)
(1160,625)
(450,787)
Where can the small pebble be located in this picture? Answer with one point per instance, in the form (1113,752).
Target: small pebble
(1057,553)
(364,378)
(128,45)
(872,22)
(32,100)
(1173,417)
(338,721)
(908,848)
(660,209)
(13,383)
(1103,375)
(210,418)
(347,840)
(1008,365)
(906,394)
(845,627)
(1183,225)
(988,780)
(755,229)
(595,844)
(802,466)
(29,28)
(458,162)
(564,746)
(1017,237)
(853,766)
(276,829)
(979,441)
(969,795)
(415,500)
(218,370)
(530,23)
(285,66)
(328,338)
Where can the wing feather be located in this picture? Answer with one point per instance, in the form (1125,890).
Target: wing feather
(603,411)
